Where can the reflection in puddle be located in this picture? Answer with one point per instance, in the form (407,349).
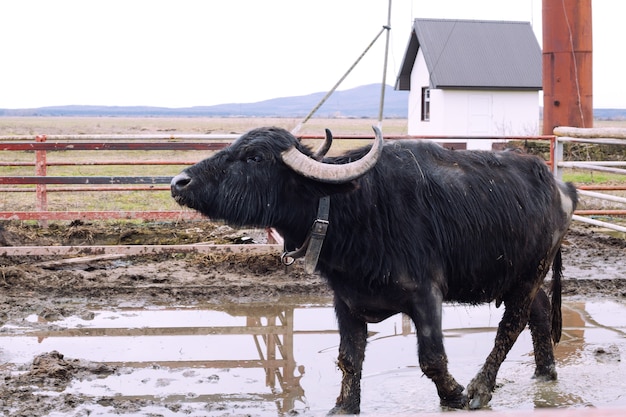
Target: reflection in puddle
(267,360)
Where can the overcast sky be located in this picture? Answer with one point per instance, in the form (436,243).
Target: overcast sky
(179,53)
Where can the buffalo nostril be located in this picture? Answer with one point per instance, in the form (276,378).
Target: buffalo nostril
(179,182)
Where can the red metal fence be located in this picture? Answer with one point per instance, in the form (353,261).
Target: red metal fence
(42,145)
(42,184)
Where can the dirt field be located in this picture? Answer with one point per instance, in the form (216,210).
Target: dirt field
(594,266)
(171,277)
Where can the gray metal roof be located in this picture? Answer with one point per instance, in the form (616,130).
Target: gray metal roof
(477,54)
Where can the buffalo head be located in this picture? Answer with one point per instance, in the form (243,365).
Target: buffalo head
(265,174)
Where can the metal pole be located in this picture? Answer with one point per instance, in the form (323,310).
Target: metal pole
(557,159)
(384,83)
(567,64)
(40,171)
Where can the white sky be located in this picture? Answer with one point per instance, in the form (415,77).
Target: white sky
(178,53)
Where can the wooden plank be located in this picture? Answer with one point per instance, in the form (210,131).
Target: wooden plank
(600,132)
(138,250)
(81,260)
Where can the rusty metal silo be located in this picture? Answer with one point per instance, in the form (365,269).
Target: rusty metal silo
(567,64)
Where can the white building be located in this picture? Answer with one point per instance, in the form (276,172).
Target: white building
(469,78)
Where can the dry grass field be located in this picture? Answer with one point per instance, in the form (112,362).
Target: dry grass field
(182,125)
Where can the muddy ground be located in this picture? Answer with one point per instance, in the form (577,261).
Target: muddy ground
(53,288)
(594,265)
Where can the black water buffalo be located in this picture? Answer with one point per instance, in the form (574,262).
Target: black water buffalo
(409,226)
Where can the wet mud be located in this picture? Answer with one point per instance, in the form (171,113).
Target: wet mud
(154,335)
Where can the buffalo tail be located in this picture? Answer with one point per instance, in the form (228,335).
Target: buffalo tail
(556,316)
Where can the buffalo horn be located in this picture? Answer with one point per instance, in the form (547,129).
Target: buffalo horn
(324,147)
(334,173)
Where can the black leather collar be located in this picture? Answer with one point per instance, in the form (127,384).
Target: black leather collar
(312,245)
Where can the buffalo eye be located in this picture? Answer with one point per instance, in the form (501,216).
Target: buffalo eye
(254,158)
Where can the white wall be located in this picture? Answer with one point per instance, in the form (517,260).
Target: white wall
(419,79)
(471,112)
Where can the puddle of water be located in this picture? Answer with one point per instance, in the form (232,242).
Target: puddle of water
(268,360)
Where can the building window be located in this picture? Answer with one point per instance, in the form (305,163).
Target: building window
(425,104)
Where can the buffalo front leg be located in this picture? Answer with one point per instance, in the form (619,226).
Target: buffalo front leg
(353,338)
(432,356)
(516,315)
(540,325)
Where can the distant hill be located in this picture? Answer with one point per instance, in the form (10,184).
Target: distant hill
(359,102)
(609,114)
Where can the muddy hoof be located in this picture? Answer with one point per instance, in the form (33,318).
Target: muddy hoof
(479,392)
(475,404)
(343,410)
(548,374)
(478,401)
(459,402)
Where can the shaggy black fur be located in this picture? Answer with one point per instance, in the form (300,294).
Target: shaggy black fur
(424,225)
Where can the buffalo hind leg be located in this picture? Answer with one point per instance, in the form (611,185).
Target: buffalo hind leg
(432,356)
(515,318)
(541,329)
(353,338)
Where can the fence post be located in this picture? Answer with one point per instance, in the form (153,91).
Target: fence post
(41,168)
(557,156)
